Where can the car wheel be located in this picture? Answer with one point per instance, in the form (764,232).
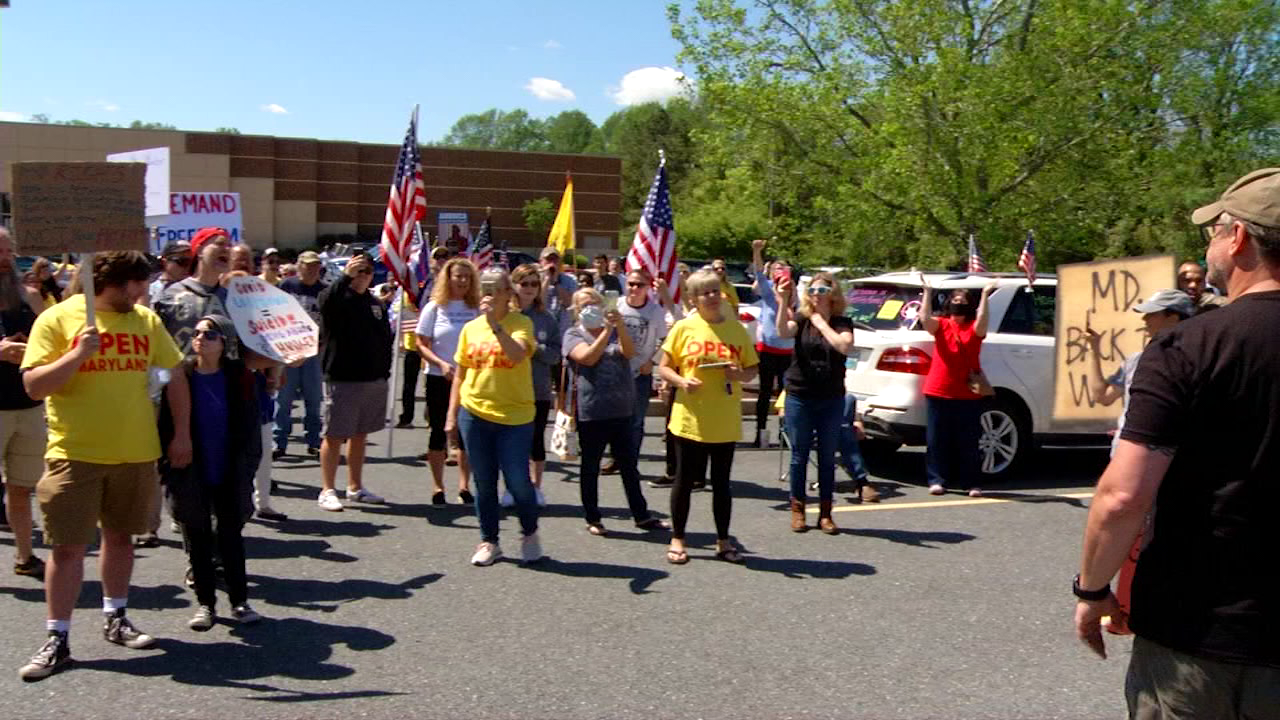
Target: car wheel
(1005,438)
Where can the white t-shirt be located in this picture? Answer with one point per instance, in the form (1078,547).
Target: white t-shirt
(443,325)
(647,326)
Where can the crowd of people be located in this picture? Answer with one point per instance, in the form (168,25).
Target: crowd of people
(157,396)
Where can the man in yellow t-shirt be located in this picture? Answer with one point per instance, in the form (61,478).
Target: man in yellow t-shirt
(103,443)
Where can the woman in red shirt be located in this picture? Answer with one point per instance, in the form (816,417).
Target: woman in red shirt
(954,410)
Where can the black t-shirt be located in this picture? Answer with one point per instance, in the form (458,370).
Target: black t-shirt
(307,295)
(355,334)
(13,396)
(1208,583)
(817,368)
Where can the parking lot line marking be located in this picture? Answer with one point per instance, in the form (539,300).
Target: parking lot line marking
(1008,498)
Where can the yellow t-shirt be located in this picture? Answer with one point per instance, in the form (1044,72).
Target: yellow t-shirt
(730,294)
(104,413)
(496,389)
(710,414)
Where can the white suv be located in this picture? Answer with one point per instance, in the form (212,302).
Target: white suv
(892,356)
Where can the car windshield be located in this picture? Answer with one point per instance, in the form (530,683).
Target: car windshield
(883,307)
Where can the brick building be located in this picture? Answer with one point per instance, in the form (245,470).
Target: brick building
(294,190)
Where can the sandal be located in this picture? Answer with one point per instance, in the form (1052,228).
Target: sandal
(597,529)
(653,523)
(677,557)
(730,555)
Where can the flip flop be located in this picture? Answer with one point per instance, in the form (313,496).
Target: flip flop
(597,529)
(677,557)
(730,555)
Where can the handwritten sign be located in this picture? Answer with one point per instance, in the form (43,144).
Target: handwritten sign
(157,178)
(190,211)
(79,206)
(1100,295)
(270,321)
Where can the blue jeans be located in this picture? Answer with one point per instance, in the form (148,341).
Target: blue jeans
(805,418)
(492,447)
(309,379)
(952,433)
(850,455)
(644,386)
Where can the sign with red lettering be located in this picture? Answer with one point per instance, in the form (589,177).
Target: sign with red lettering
(270,321)
(78,207)
(190,211)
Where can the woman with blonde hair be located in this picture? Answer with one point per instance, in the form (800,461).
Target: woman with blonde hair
(491,405)
(815,388)
(706,358)
(455,301)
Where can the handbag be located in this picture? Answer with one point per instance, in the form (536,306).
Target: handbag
(564,435)
(979,385)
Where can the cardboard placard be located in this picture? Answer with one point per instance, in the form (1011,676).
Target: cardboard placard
(270,321)
(79,207)
(1101,295)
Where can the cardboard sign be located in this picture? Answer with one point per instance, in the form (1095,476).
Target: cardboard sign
(157,179)
(78,207)
(270,321)
(190,211)
(1101,295)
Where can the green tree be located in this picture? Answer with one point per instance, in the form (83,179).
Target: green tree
(140,125)
(538,216)
(572,132)
(637,133)
(227,130)
(497,130)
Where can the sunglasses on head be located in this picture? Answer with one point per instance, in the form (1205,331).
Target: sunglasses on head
(819,290)
(209,334)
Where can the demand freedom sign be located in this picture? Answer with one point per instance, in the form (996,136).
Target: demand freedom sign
(270,321)
(78,206)
(1101,295)
(190,211)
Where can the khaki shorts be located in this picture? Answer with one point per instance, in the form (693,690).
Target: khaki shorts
(76,497)
(354,408)
(1164,684)
(23,438)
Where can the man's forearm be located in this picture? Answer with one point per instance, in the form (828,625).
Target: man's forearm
(1126,491)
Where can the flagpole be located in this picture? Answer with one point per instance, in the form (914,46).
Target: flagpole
(397,359)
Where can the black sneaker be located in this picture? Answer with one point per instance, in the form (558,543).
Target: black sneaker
(465,497)
(117,629)
(277,454)
(665,481)
(31,567)
(53,657)
(439,499)
(699,484)
(314,451)
(404,424)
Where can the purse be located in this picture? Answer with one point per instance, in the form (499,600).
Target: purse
(979,385)
(564,435)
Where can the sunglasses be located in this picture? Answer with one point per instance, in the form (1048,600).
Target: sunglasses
(531,284)
(636,284)
(819,290)
(209,334)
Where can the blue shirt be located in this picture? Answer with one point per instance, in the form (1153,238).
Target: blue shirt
(209,419)
(767,328)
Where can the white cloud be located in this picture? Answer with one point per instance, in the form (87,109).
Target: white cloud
(274,109)
(649,84)
(104,105)
(552,45)
(548,89)
(9,116)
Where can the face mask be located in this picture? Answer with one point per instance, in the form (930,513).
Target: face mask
(591,317)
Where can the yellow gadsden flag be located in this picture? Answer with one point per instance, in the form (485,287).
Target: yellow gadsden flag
(561,235)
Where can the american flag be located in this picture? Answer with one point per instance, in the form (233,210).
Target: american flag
(654,246)
(481,250)
(1027,259)
(975,258)
(406,206)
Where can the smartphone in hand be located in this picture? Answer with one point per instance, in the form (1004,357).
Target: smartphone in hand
(610,300)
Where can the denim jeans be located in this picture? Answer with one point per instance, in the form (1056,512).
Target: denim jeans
(309,380)
(807,417)
(644,387)
(952,433)
(594,436)
(492,447)
(850,455)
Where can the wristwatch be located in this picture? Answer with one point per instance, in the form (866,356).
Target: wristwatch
(1091,595)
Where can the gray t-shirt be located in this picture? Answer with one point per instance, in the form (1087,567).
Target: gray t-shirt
(647,326)
(1123,378)
(546,333)
(605,390)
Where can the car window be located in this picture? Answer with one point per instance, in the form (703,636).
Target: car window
(1030,313)
(883,307)
(746,295)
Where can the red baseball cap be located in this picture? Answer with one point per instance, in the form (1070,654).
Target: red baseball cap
(206,234)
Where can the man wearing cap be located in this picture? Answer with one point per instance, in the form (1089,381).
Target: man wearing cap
(1191,282)
(307,378)
(559,288)
(1206,602)
(177,267)
(271,266)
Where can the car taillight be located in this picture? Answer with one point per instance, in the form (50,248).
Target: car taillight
(905,360)
(745,317)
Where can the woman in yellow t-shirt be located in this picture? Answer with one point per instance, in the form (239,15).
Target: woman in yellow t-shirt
(706,358)
(491,404)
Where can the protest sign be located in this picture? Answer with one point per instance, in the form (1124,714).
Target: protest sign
(190,211)
(455,232)
(1100,295)
(270,321)
(157,178)
(78,206)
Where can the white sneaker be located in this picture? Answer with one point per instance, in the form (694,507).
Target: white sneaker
(975,492)
(936,490)
(542,499)
(329,501)
(507,501)
(486,554)
(531,549)
(364,496)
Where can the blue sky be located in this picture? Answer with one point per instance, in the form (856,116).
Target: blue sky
(328,68)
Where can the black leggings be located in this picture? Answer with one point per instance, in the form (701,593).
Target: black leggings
(693,456)
(437,410)
(772,367)
(201,540)
(538,452)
